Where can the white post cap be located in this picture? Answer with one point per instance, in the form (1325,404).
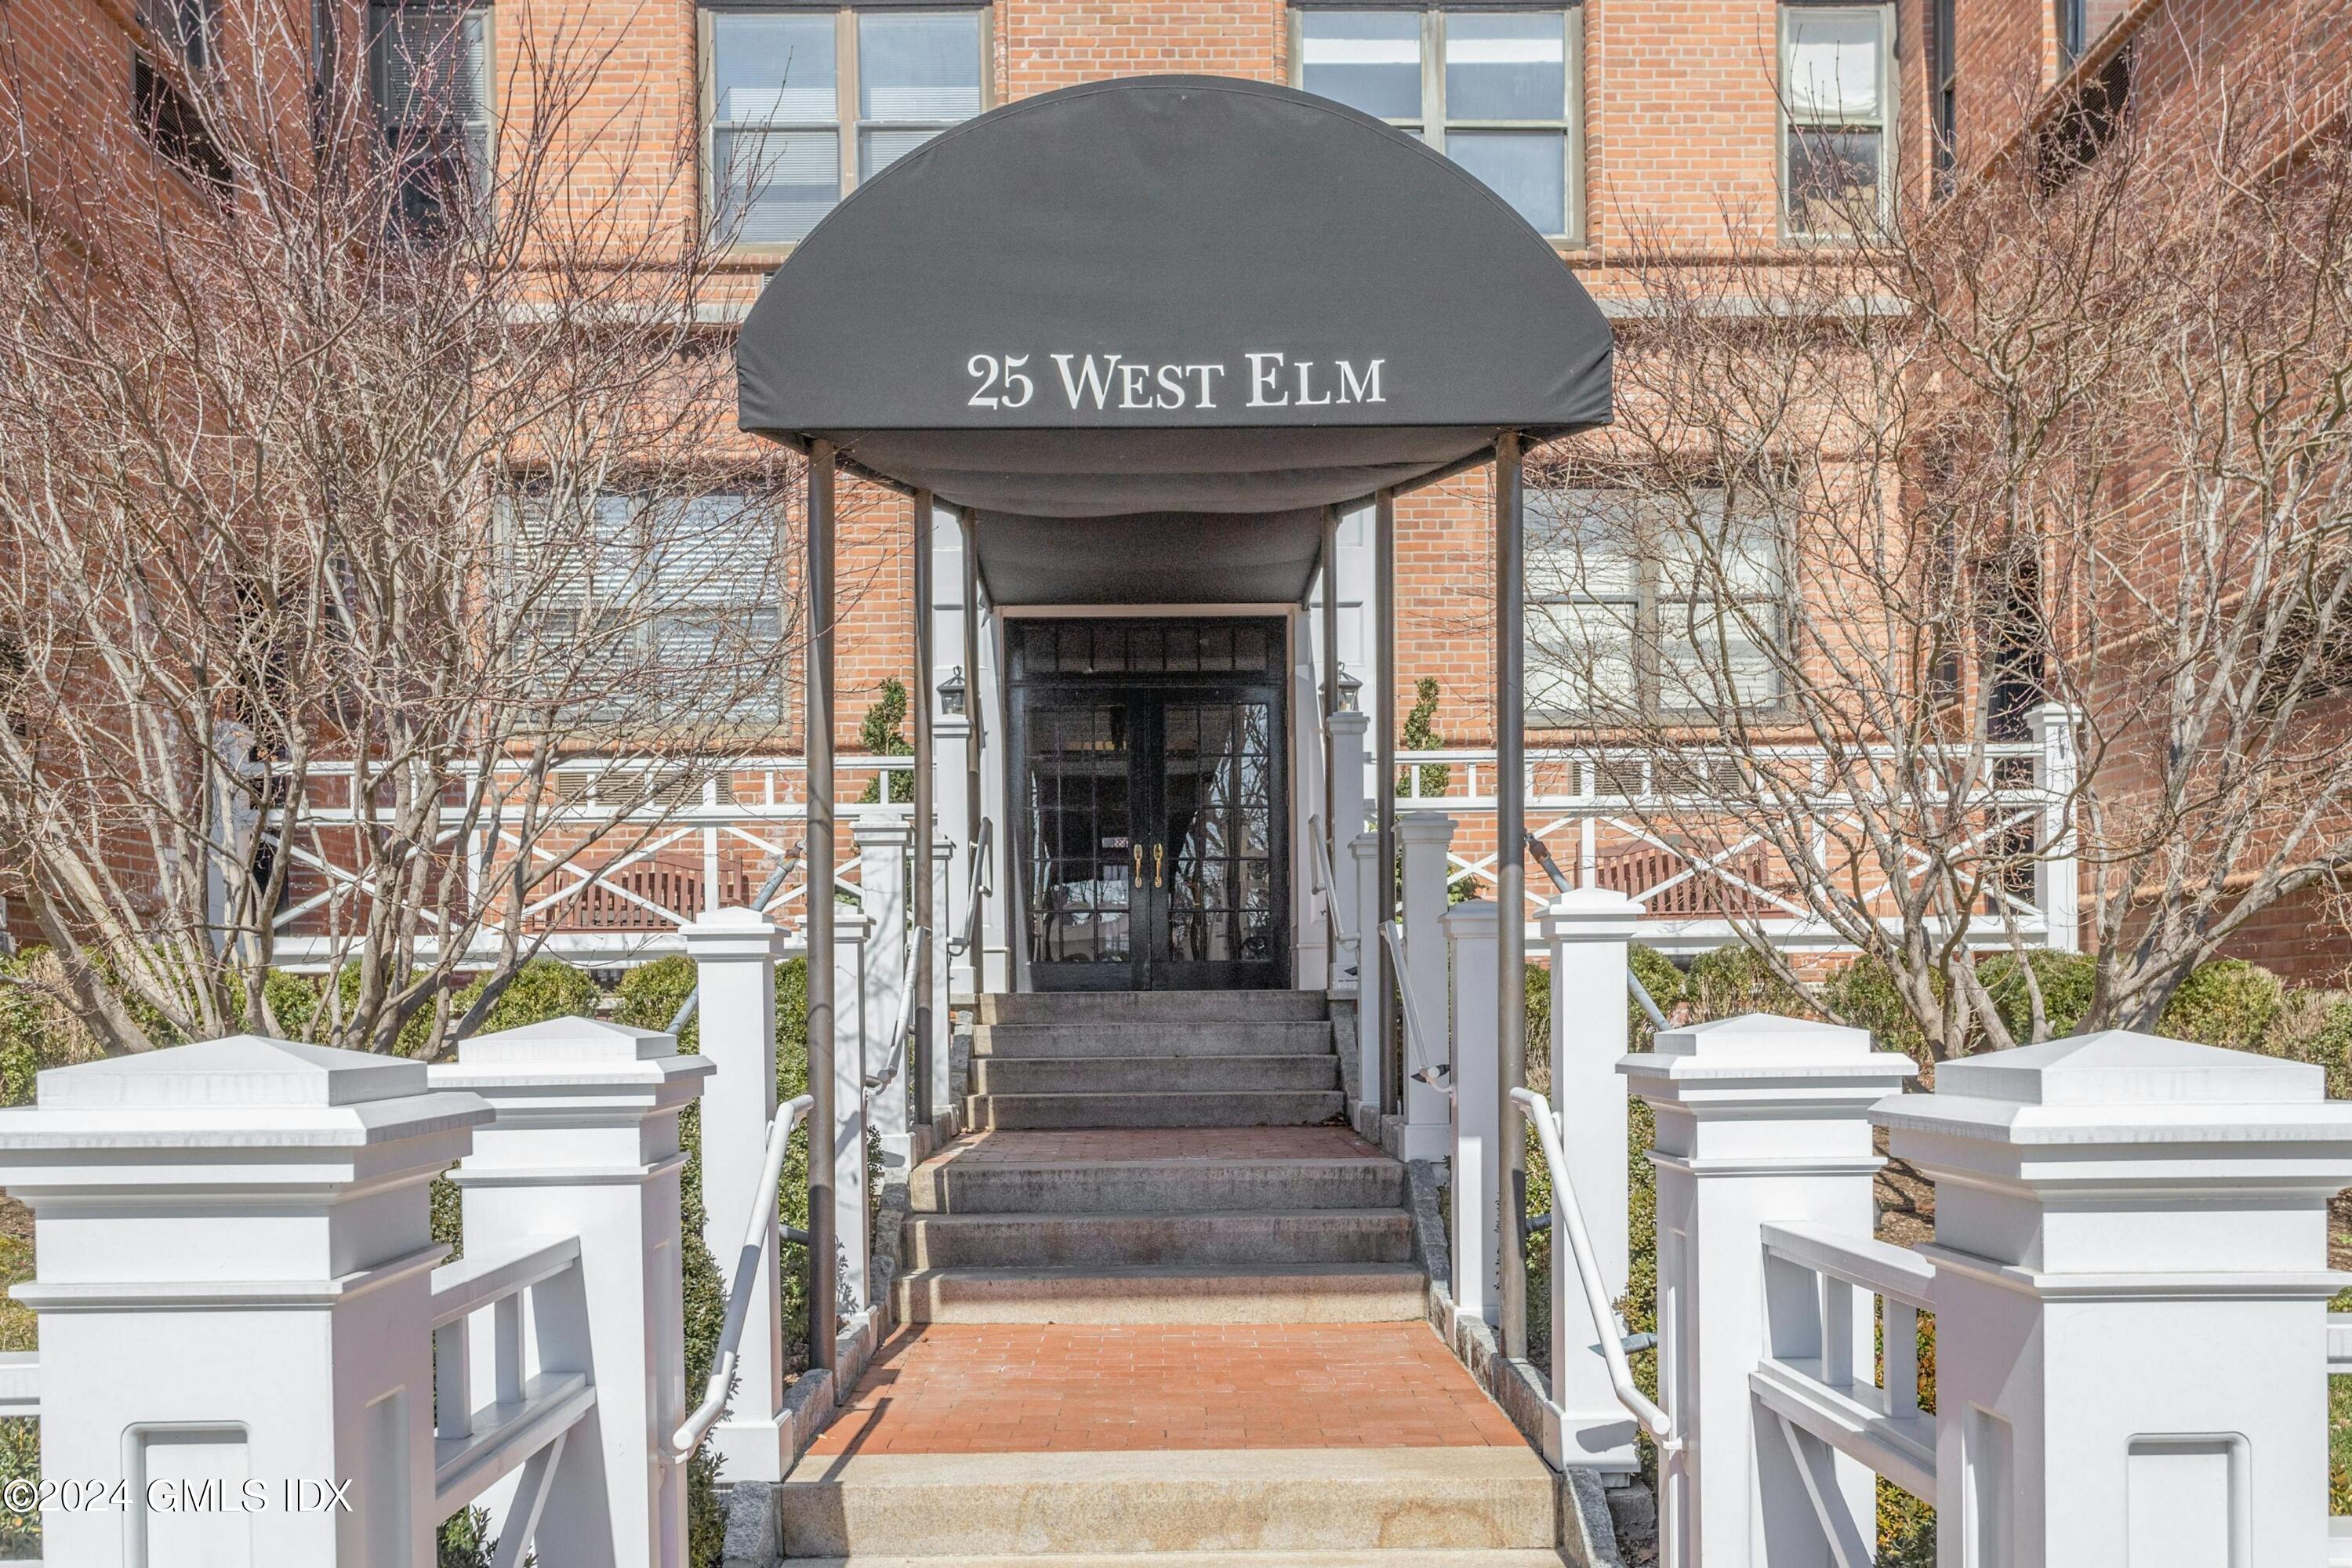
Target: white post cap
(1473,919)
(1591,914)
(730,933)
(884,828)
(1424,827)
(1343,722)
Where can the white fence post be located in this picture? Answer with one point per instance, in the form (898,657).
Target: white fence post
(1760,1120)
(940,1046)
(234,1291)
(1364,854)
(1589,931)
(1427,1131)
(1347,821)
(1470,931)
(853,1034)
(735,954)
(585,1144)
(2057,873)
(2131,1333)
(884,863)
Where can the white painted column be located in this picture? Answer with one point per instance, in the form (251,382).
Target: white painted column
(1589,931)
(1427,1133)
(585,1143)
(235,1253)
(1000,920)
(1310,944)
(852,1233)
(1470,931)
(2131,1299)
(735,954)
(940,1046)
(952,740)
(2057,874)
(1760,1120)
(1364,855)
(886,856)
(1348,730)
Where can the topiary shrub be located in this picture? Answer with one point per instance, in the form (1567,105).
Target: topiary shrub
(1733,980)
(882,734)
(2228,1003)
(2066,980)
(1420,735)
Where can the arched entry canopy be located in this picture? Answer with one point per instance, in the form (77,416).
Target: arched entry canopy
(1155,308)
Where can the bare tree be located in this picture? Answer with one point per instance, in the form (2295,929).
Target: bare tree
(2065,447)
(367,473)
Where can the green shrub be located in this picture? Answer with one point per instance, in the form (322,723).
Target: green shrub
(2066,980)
(2228,1003)
(882,734)
(1733,980)
(1420,735)
(1865,994)
(542,989)
(37,1027)
(1665,983)
(2315,1026)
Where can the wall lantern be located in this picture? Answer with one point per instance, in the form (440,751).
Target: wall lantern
(952,692)
(1348,687)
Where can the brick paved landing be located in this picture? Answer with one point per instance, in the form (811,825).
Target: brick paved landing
(1058,1388)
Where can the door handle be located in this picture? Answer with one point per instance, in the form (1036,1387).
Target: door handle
(1159,852)
(1139,863)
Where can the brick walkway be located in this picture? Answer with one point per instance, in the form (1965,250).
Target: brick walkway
(1207,1145)
(1019,1388)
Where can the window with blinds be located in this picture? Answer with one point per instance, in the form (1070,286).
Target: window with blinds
(805,104)
(429,66)
(1650,605)
(1495,91)
(656,597)
(1836,120)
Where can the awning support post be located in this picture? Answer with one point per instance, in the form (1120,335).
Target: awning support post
(975,742)
(1389,1093)
(822,1029)
(1328,634)
(1510,883)
(918,1053)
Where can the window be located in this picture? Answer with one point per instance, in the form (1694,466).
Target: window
(1495,91)
(1944,78)
(803,104)
(1650,605)
(2082,22)
(431,66)
(636,595)
(172,65)
(1835,93)
(184,28)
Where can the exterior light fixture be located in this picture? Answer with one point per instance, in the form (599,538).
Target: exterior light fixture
(1348,687)
(952,694)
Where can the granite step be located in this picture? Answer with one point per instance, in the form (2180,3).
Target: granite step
(1289,1108)
(1160,1294)
(1153,1074)
(1067,1240)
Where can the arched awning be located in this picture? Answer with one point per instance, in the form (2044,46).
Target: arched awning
(1149,300)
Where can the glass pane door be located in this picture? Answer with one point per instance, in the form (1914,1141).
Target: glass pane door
(1078,842)
(1217,819)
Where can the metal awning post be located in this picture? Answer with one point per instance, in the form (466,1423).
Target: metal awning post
(926,827)
(1389,1094)
(821,861)
(1510,884)
(975,739)
(1330,635)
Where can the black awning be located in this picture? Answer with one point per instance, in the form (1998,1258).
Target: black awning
(1170,296)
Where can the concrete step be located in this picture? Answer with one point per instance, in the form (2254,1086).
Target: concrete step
(1266,1038)
(1151,1074)
(1290,1108)
(1130,1186)
(1228,1293)
(1371,1557)
(1152,1006)
(1067,1240)
(1397,1502)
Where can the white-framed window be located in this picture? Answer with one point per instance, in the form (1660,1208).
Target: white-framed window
(1650,605)
(429,69)
(1495,90)
(801,104)
(1837,118)
(2082,22)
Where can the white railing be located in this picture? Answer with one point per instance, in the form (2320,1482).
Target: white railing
(1816,1376)
(524,1422)
(1568,1220)
(1607,808)
(753,1259)
(1426,1068)
(977,888)
(1326,888)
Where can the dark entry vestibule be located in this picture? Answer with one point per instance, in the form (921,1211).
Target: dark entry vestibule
(1151,791)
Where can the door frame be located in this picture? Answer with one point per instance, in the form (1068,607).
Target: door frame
(1271,685)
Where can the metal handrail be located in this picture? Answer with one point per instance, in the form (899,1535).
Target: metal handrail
(1433,1073)
(903,1025)
(1328,882)
(768,888)
(749,1261)
(974,892)
(1569,1216)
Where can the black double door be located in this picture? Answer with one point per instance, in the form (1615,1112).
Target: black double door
(1152,802)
